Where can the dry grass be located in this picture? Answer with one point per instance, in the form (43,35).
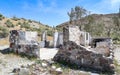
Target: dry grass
(4,41)
(49,38)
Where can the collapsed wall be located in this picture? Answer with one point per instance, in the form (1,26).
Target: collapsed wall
(24,42)
(74,54)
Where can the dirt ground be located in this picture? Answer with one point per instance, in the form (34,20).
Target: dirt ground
(4,41)
(117,53)
(10,61)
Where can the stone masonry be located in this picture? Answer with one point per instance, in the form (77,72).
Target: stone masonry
(75,53)
(58,39)
(24,42)
(73,33)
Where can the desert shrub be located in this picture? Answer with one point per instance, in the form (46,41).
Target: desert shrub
(25,25)
(49,32)
(59,29)
(19,23)
(15,18)
(30,21)
(3,32)
(47,26)
(9,24)
(31,57)
(23,19)
(39,31)
(1,17)
(116,40)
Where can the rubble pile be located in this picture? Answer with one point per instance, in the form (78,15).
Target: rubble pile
(78,56)
(38,68)
(46,67)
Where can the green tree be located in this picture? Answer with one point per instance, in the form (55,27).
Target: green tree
(80,12)
(77,13)
(71,15)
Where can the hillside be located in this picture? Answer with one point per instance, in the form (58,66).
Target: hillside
(96,17)
(99,25)
(14,23)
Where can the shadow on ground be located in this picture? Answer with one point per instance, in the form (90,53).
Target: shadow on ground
(6,51)
(23,55)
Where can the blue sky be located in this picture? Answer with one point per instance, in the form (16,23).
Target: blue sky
(54,12)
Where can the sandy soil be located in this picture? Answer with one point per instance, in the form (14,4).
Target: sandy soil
(4,41)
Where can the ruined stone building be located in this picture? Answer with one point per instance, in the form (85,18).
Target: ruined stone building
(24,42)
(73,33)
(75,52)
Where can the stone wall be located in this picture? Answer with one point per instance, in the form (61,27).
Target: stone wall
(58,39)
(44,36)
(103,46)
(73,33)
(76,55)
(65,34)
(24,42)
(55,40)
(44,42)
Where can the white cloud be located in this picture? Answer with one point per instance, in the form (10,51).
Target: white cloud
(115,3)
(105,6)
